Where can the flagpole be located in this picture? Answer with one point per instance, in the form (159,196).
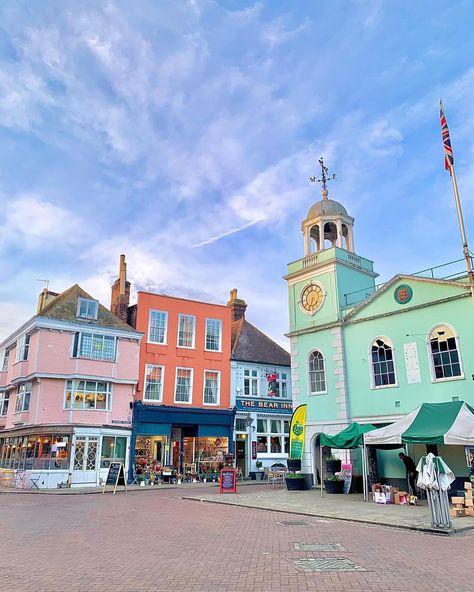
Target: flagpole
(465,248)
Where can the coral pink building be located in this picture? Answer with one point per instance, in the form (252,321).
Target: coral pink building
(67,384)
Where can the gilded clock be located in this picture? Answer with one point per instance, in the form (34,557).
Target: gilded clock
(312,298)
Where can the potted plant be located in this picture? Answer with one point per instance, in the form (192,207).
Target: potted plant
(295,481)
(294,464)
(179,477)
(334,484)
(258,474)
(333,464)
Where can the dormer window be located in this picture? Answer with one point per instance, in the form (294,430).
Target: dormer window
(87,309)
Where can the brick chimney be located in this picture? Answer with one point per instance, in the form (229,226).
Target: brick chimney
(44,299)
(237,305)
(121,293)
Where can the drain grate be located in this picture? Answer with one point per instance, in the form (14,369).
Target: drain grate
(293,523)
(318,547)
(327,564)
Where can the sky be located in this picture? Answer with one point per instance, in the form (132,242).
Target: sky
(184,133)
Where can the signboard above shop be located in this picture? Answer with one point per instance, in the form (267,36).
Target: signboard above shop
(281,407)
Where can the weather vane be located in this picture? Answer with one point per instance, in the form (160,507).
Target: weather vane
(325,177)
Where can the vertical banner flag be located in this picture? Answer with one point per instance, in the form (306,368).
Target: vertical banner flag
(448,150)
(297,432)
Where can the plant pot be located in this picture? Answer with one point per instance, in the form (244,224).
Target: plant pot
(294,464)
(258,476)
(179,481)
(333,466)
(295,484)
(142,483)
(334,486)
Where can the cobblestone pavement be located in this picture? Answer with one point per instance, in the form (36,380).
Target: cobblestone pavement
(159,542)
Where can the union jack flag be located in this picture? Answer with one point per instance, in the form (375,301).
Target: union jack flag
(448,151)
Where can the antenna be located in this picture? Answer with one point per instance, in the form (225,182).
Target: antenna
(46,282)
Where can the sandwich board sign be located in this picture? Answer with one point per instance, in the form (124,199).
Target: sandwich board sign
(228,481)
(115,476)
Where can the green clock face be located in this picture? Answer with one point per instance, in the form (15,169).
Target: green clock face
(312,298)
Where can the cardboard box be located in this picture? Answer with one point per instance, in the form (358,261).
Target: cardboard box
(457,500)
(457,513)
(470,512)
(467,485)
(469,502)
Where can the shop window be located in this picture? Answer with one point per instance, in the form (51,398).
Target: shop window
(213,334)
(211,387)
(4,355)
(94,346)
(4,400)
(445,358)
(383,368)
(22,348)
(87,309)
(184,384)
(186,330)
(35,452)
(88,395)
(317,374)
(157,326)
(153,383)
(113,450)
(250,383)
(273,436)
(23,397)
(240,424)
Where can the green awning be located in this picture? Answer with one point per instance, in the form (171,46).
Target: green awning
(350,437)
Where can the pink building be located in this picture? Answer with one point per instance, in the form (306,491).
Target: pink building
(67,383)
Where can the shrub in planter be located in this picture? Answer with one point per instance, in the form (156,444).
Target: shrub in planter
(333,464)
(295,482)
(258,474)
(294,464)
(333,484)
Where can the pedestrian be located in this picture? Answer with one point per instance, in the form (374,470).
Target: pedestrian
(411,472)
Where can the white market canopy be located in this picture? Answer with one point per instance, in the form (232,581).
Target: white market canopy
(430,423)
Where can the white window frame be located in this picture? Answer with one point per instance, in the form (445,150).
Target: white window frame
(316,393)
(218,388)
(94,335)
(388,342)
(24,389)
(165,334)
(145,381)
(220,336)
(22,348)
(280,381)
(180,316)
(93,315)
(75,382)
(4,398)
(4,357)
(269,435)
(251,378)
(430,354)
(190,385)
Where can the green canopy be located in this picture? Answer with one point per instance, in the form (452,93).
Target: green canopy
(350,437)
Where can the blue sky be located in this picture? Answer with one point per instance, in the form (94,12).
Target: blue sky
(183,134)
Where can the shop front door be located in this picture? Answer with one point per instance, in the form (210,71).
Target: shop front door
(241,452)
(85,460)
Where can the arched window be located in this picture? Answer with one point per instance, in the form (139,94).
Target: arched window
(317,375)
(445,358)
(383,367)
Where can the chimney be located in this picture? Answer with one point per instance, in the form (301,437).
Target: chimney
(44,299)
(121,293)
(237,305)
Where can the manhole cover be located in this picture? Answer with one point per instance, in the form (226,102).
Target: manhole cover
(293,523)
(318,547)
(327,564)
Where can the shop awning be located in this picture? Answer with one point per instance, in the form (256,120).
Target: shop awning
(209,431)
(430,423)
(154,429)
(350,437)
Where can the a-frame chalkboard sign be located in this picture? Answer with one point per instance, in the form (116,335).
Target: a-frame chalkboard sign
(116,476)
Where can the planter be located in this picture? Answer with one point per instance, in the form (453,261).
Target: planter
(295,484)
(258,476)
(294,464)
(334,486)
(333,466)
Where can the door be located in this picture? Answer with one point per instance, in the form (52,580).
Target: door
(85,462)
(241,452)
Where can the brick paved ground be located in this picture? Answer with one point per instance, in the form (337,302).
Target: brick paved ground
(158,542)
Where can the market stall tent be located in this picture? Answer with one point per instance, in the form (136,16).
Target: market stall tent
(430,423)
(350,437)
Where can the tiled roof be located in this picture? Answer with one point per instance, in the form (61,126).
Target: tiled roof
(251,345)
(64,308)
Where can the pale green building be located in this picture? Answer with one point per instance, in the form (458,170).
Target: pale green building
(368,353)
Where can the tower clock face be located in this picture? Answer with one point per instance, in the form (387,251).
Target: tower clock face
(312,298)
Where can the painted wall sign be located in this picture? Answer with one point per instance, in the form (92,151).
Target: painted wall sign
(254,450)
(122,421)
(403,294)
(412,364)
(266,406)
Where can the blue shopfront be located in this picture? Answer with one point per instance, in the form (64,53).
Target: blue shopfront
(192,441)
